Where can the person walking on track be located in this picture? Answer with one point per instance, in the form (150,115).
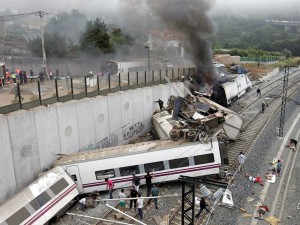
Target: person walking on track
(241,159)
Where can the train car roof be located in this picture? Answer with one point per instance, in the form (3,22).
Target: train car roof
(120,150)
(34,189)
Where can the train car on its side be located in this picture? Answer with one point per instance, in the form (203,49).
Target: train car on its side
(41,201)
(165,159)
(227,92)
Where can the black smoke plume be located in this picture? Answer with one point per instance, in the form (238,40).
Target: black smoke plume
(190,18)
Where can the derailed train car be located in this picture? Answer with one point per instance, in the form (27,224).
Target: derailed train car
(224,90)
(198,115)
(43,200)
(166,159)
(224,93)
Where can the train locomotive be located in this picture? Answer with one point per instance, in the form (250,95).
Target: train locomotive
(224,93)
(225,90)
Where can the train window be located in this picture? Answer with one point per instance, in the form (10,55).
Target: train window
(18,217)
(74,177)
(129,170)
(102,174)
(175,163)
(155,166)
(203,159)
(59,186)
(40,200)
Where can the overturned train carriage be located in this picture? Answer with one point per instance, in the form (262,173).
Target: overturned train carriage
(165,159)
(200,116)
(228,92)
(45,199)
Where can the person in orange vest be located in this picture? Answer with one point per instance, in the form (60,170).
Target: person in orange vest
(7,75)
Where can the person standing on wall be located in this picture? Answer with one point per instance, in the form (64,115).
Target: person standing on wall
(109,186)
(160,103)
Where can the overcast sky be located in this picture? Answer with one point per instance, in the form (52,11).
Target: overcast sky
(97,7)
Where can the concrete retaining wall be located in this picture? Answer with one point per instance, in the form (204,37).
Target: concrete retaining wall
(31,140)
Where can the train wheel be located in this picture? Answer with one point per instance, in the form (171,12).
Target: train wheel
(175,134)
(191,135)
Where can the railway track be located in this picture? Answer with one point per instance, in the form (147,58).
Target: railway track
(111,214)
(255,125)
(256,122)
(175,217)
(244,103)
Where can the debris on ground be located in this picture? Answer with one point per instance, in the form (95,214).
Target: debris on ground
(247,215)
(249,199)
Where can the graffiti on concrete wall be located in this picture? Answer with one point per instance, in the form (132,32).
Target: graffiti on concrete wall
(134,129)
(110,141)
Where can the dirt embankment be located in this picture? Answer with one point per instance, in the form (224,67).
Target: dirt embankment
(257,71)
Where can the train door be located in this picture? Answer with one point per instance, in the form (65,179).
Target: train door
(73,171)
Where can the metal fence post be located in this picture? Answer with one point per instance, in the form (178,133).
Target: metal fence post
(19,95)
(178,75)
(39,90)
(56,90)
(145,77)
(137,79)
(109,83)
(160,76)
(128,81)
(72,90)
(98,85)
(85,86)
(120,81)
(153,77)
(172,73)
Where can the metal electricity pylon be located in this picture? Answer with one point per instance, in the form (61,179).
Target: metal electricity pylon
(287,70)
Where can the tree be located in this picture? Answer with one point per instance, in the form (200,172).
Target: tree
(96,39)
(287,53)
(55,45)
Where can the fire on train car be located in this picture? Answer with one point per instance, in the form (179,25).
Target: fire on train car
(166,159)
(41,201)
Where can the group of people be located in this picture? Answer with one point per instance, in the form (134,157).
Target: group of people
(136,202)
(273,172)
(23,76)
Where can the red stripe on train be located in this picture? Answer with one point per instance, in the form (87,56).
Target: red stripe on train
(158,174)
(46,209)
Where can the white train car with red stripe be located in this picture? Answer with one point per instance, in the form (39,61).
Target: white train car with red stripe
(167,160)
(41,201)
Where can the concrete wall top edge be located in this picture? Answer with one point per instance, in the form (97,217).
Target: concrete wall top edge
(20,111)
(55,104)
(37,108)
